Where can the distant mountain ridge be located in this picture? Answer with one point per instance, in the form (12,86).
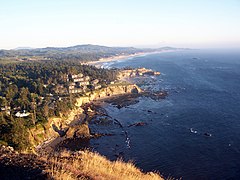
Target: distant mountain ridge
(20,48)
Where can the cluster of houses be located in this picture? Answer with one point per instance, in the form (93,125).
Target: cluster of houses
(75,83)
(137,72)
(79,83)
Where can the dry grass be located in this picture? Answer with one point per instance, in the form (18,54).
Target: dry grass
(88,165)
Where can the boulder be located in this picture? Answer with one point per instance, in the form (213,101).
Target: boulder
(78,131)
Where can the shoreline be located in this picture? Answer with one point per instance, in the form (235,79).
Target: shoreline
(106,93)
(101,61)
(113,58)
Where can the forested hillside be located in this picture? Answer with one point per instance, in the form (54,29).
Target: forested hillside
(31,92)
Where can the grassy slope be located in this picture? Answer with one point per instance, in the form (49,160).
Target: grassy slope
(93,166)
(66,165)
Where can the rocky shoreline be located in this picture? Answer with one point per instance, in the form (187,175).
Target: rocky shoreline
(76,125)
(78,136)
(89,108)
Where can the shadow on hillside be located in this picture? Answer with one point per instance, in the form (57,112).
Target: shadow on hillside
(15,172)
(59,131)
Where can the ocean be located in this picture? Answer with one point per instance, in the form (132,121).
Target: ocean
(194,133)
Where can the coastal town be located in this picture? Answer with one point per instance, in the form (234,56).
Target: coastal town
(79,84)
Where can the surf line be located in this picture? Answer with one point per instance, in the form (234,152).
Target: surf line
(127,139)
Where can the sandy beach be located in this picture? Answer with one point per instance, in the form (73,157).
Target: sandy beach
(101,61)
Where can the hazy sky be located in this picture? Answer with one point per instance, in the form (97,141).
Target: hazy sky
(181,23)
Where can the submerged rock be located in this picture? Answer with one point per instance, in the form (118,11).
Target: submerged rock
(207,134)
(98,135)
(138,124)
(119,106)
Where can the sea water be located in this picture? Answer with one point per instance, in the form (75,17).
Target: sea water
(193,133)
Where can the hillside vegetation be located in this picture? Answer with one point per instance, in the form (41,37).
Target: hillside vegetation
(34,88)
(66,165)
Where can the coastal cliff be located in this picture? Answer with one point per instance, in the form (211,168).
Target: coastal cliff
(44,133)
(111,90)
(52,129)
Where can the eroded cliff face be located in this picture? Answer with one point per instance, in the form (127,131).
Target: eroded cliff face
(107,92)
(52,129)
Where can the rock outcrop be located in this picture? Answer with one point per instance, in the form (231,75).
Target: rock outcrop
(52,129)
(126,73)
(78,131)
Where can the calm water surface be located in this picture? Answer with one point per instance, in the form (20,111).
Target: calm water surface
(204,94)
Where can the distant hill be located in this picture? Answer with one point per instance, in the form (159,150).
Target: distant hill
(20,48)
(85,52)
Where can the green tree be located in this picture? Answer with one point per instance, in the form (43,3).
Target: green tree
(19,134)
(23,98)
(11,91)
